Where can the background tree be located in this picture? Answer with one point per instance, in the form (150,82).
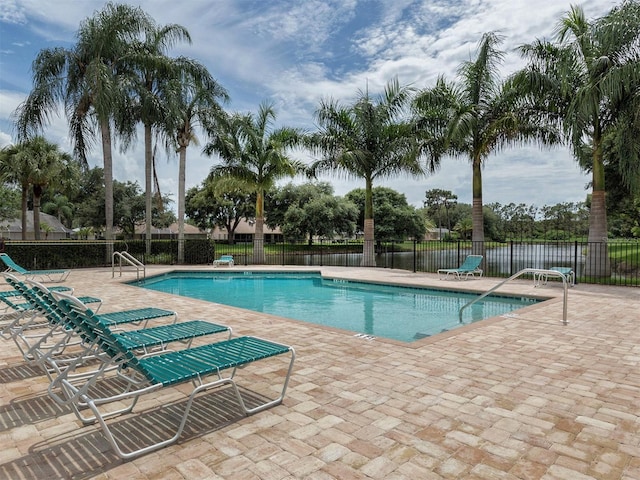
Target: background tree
(460,212)
(589,78)
(88,200)
(130,209)
(464,228)
(397,220)
(559,220)
(48,166)
(129,205)
(61,208)
(46,229)
(36,164)
(491,224)
(483,115)
(9,203)
(622,204)
(14,169)
(217,203)
(254,154)
(369,139)
(514,221)
(324,216)
(438,200)
(279,199)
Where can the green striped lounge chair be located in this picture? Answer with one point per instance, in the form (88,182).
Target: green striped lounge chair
(204,367)
(142,340)
(16,311)
(59,275)
(19,315)
(42,335)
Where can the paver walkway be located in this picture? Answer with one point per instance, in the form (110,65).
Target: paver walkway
(517,397)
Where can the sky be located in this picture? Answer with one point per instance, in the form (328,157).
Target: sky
(295,53)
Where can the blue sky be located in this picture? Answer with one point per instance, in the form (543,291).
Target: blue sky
(296,52)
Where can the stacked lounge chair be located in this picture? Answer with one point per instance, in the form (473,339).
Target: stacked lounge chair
(113,368)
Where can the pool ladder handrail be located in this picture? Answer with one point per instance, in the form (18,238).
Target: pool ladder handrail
(540,272)
(129,259)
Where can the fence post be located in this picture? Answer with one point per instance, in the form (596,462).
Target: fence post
(415,258)
(575,262)
(393,252)
(511,272)
(346,254)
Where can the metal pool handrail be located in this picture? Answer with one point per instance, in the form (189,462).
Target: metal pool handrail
(129,259)
(536,271)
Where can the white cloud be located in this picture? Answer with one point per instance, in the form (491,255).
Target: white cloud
(10,12)
(296,53)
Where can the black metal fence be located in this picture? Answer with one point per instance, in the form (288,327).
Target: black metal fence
(617,264)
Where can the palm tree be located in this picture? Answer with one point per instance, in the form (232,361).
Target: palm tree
(255,155)
(478,116)
(88,81)
(46,229)
(61,208)
(191,99)
(590,79)
(367,140)
(35,163)
(152,69)
(47,166)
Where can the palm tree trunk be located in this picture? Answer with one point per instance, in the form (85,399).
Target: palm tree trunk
(477,220)
(147,187)
(181,201)
(37,194)
(25,202)
(368,248)
(597,263)
(258,237)
(105,131)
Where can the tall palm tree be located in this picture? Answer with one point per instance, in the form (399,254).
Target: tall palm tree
(255,155)
(191,99)
(478,115)
(88,81)
(368,140)
(589,78)
(152,69)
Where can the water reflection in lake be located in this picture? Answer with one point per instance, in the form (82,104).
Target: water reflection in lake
(499,261)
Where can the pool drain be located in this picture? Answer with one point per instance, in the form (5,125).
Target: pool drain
(364,336)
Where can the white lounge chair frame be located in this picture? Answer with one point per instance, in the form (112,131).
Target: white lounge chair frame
(150,373)
(226,260)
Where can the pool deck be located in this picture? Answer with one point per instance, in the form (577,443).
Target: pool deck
(515,397)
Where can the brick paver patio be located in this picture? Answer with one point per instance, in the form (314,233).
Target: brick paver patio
(515,397)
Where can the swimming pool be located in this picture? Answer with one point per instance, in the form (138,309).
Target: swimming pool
(400,313)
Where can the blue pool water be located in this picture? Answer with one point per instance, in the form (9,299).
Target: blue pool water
(401,313)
